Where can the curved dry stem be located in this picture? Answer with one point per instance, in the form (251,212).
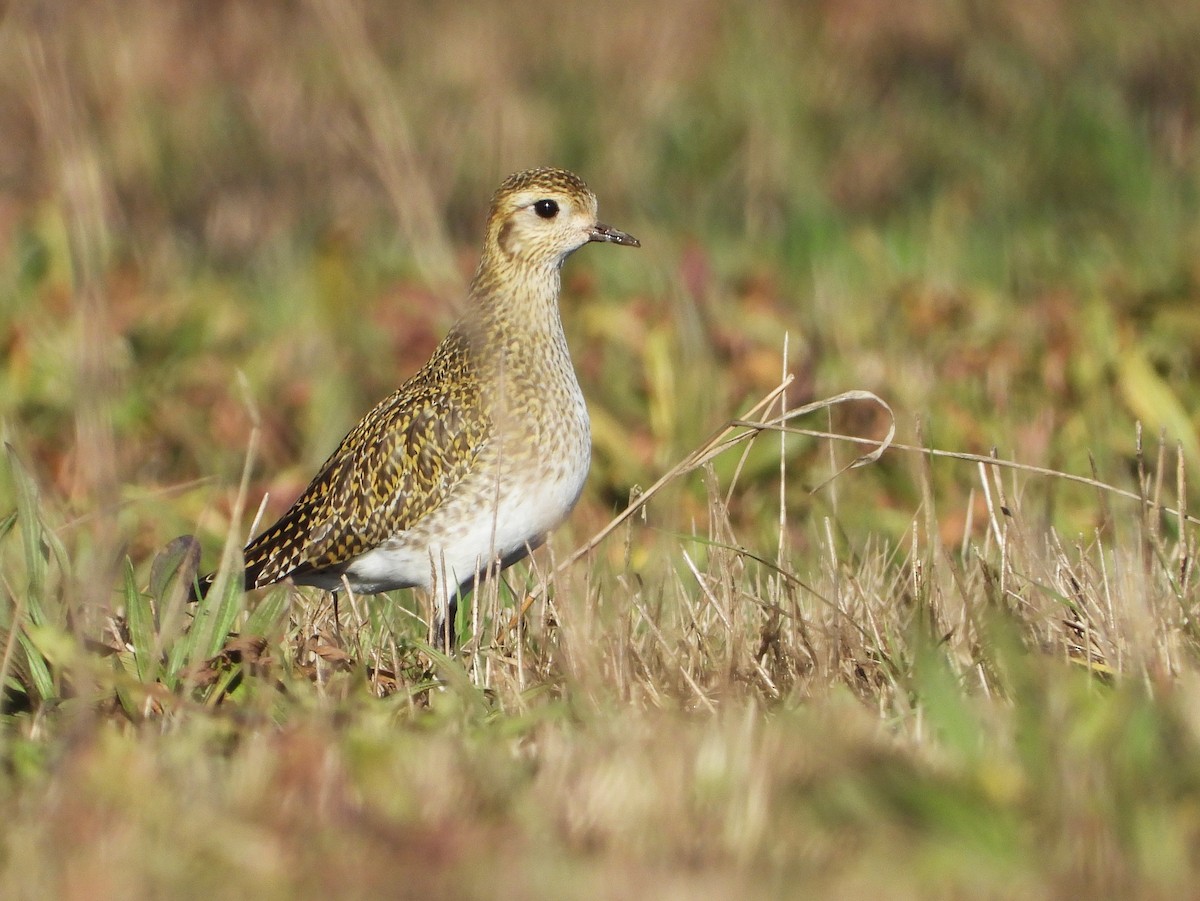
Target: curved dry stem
(733,433)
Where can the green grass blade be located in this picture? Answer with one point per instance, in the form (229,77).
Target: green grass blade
(28,515)
(265,617)
(7,523)
(39,668)
(213,620)
(139,614)
(224,617)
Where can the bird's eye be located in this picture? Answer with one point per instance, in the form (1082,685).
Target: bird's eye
(547,209)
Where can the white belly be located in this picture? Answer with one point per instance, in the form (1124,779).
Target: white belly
(470,532)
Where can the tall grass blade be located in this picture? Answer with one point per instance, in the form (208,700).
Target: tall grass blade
(39,668)
(139,614)
(36,550)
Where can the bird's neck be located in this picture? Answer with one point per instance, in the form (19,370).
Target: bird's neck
(511,307)
(517,343)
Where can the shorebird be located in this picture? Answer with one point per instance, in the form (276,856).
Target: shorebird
(466,466)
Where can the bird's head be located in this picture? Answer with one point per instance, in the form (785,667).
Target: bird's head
(541,216)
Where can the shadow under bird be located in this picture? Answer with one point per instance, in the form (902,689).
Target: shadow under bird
(465,467)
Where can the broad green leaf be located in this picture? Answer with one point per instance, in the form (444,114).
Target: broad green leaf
(175,563)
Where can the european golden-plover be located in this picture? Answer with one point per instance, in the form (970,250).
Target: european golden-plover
(469,464)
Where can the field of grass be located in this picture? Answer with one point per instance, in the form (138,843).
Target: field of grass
(227,229)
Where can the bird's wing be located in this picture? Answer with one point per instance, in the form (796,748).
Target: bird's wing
(391,471)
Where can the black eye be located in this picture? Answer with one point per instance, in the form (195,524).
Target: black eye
(547,209)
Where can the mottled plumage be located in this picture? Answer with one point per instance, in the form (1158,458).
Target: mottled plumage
(473,459)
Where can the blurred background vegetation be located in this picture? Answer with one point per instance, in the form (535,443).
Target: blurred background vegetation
(986,212)
(216,215)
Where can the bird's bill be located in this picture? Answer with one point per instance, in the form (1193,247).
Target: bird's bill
(612,236)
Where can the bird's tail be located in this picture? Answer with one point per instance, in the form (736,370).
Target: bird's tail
(200,586)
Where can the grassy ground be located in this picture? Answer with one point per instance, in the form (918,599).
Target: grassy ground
(227,229)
